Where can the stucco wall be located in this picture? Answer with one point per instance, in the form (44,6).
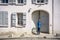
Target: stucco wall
(57,16)
(25,8)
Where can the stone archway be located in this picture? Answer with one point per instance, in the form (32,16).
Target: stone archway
(44,18)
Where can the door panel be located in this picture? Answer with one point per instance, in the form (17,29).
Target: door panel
(35,18)
(45,22)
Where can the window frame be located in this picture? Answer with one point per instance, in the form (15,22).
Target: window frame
(21,26)
(20,19)
(15,24)
(24,3)
(12,2)
(2,2)
(40,3)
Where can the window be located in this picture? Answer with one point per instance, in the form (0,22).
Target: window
(3,1)
(39,1)
(21,19)
(18,20)
(21,2)
(42,1)
(33,1)
(12,1)
(3,18)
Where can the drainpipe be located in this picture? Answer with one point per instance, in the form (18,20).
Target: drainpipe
(52,16)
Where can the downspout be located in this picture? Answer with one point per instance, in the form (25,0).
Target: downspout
(52,16)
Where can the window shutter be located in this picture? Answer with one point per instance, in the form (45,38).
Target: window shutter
(25,2)
(12,1)
(13,20)
(24,19)
(46,1)
(0,1)
(33,1)
(3,18)
(0,18)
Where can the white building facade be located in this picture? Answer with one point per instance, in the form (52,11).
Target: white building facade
(21,16)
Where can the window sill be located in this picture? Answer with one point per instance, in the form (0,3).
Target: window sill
(40,3)
(20,4)
(19,26)
(3,3)
(12,3)
(3,26)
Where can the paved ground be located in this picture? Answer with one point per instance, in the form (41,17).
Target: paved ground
(29,39)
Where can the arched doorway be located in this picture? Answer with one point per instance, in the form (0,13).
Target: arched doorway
(44,18)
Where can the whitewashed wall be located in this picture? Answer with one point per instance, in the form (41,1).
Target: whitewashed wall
(57,16)
(25,8)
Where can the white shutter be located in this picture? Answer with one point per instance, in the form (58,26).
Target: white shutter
(46,1)
(33,1)
(3,18)
(0,1)
(24,2)
(12,1)
(13,20)
(0,18)
(6,18)
(24,19)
